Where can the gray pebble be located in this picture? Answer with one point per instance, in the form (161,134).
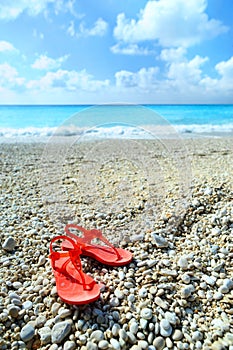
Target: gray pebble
(177,335)
(121,275)
(143,344)
(115,344)
(159,343)
(45,335)
(13,310)
(115,329)
(17,285)
(16,302)
(91,346)
(209,279)
(60,330)
(97,335)
(159,241)
(146,313)
(27,305)
(197,335)
(118,293)
(103,344)
(161,303)
(187,291)
(9,244)
(69,345)
(183,262)
(63,313)
(165,328)
(133,327)
(143,323)
(13,295)
(171,317)
(27,333)
(142,292)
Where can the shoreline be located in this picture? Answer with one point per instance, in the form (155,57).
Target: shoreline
(168,201)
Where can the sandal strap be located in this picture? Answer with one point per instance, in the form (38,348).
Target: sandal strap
(88,236)
(74,257)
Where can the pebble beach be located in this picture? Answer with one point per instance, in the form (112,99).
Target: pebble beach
(168,202)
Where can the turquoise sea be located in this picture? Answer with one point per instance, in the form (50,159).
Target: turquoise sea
(114,120)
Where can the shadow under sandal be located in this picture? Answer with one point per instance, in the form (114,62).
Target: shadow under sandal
(106,254)
(73,285)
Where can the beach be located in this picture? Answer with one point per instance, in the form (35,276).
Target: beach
(167,201)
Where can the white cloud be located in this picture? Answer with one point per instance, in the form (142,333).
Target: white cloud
(130,49)
(71,29)
(186,72)
(99,28)
(10,10)
(144,79)
(46,63)
(68,80)
(37,34)
(170,23)
(6,46)
(173,55)
(225,68)
(9,76)
(224,82)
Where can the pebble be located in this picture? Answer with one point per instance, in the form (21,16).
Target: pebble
(13,310)
(209,279)
(134,327)
(161,303)
(69,345)
(115,329)
(142,292)
(143,344)
(17,285)
(60,330)
(183,264)
(63,313)
(9,244)
(97,335)
(91,346)
(187,291)
(115,344)
(165,328)
(27,305)
(119,294)
(143,323)
(159,343)
(27,333)
(159,241)
(45,335)
(103,344)
(177,335)
(146,313)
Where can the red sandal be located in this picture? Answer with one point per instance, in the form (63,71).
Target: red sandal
(73,285)
(107,254)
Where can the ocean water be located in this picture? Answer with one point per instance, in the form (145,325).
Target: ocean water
(128,121)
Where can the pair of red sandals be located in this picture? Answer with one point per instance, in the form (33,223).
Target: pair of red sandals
(73,285)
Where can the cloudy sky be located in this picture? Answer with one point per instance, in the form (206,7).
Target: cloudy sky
(102,51)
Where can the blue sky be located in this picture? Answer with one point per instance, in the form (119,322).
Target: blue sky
(104,51)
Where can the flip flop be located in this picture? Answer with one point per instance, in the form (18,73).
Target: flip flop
(73,285)
(107,254)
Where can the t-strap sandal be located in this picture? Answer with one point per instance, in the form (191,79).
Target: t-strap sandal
(106,254)
(73,285)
